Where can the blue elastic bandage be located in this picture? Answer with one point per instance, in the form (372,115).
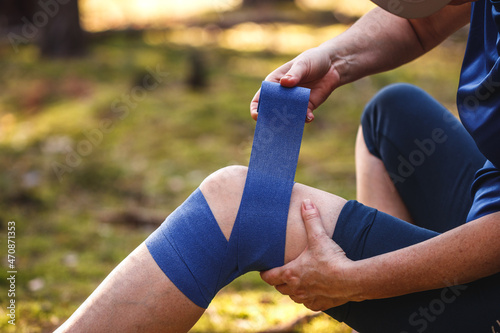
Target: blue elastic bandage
(189,246)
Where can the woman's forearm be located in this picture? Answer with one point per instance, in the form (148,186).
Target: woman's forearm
(381,41)
(459,256)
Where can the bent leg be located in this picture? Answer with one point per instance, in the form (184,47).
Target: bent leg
(138,296)
(430,159)
(414,161)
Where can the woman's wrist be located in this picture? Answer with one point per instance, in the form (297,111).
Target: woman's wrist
(355,277)
(337,60)
(351,275)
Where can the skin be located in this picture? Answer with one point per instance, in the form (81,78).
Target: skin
(461,255)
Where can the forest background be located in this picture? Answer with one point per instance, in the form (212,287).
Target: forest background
(92,159)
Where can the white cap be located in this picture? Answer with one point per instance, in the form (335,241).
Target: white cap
(412,8)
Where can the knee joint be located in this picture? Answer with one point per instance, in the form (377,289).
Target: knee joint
(223,191)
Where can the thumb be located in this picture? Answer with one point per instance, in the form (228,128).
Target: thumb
(273,277)
(294,74)
(293,77)
(312,220)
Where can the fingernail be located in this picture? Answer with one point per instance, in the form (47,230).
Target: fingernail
(308,204)
(287,76)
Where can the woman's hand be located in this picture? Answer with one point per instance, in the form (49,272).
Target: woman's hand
(311,69)
(316,278)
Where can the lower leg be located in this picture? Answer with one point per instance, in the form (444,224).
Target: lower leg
(138,296)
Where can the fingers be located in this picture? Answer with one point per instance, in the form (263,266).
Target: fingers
(306,279)
(285,279)
(293,77)
(289,75)
(275,76)
(312,220)
(315,231)
(254,104)
(321,303)
(317,303)
(310,115)
(274,276)
(288,290)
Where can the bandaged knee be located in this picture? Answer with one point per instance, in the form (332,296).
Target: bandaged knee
(190,247)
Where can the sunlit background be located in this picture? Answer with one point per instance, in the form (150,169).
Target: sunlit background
(102,15)
(83,198)
(179,22)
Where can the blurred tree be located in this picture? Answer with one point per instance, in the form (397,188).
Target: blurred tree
(197,78)
(63,36)
(53,24)
(12,11)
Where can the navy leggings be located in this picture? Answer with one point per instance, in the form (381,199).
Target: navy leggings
(432,161)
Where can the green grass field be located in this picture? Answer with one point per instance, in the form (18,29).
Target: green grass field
(87,172)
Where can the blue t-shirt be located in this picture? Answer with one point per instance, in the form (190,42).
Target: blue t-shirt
(478,96)
(478,102)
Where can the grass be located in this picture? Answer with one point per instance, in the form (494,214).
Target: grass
(70,210)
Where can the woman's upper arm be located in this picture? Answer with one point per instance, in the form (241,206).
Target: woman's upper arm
(434,29)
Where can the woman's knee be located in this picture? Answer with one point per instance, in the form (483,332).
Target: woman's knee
(396,95)
(223,191)
(395,100)
(396,114)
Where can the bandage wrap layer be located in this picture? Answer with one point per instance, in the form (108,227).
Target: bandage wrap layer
(189,246)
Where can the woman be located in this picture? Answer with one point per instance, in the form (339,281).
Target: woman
(378,272)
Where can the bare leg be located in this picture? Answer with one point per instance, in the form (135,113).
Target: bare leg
(374,187)
(137,296)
